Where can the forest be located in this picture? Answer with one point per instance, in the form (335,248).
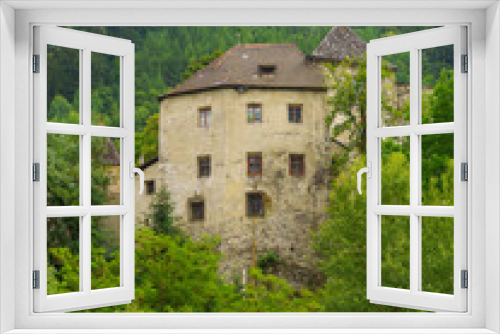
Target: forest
(175,273)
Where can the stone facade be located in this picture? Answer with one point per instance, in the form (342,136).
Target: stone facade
(142,202)
(294,206)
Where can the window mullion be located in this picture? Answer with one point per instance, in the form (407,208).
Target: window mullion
(86,166)
(414,172)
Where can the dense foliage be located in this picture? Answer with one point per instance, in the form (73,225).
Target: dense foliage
(175,273)
(63,177)
(341,240)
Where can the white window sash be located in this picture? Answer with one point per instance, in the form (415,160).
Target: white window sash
(414,297)
(85,298)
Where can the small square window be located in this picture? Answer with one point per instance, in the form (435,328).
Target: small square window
(295,113)
(197,210)
(254,164)
(255,205)
(204,166)
(297,165)
(150,187)
(267,69)
(254,113)
(204,117)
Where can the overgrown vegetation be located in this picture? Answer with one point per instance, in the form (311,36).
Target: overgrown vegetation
(175,273)
(341,240)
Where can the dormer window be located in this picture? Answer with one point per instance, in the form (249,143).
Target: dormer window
(267,69)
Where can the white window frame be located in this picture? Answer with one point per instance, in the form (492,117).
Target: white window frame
(414,43)
(86,44)
(483,314)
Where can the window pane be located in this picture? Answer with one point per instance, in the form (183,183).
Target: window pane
(395,251)
(395,171)
(254,113)
(204,117)
(105,252)
(395,91)
(105,171)
(63,249)
(437,254)
(150,187)
(105,89)
(197,210)
(255,205)
(63,85)
(437,169)
(297,164)
(295,113)
(437,84)
(203,166)
(63,170)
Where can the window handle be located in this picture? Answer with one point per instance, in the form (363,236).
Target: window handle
(368,171)
(133,171)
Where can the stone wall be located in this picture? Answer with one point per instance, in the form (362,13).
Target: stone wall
(142,202)
(294,206)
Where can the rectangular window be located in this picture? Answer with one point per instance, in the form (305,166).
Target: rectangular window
(150,187)
(204,117)
(255,205)
(295,113)
(254,112)
(297,165)
(197,210)
(204,166)
(254,164)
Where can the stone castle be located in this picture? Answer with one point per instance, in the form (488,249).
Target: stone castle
(245,152)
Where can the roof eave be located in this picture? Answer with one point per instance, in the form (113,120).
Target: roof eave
(235,86)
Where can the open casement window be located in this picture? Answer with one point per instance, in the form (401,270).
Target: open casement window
(409,236)
(83,165)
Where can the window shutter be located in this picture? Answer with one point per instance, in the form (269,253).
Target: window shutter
(416,294)
(117,150)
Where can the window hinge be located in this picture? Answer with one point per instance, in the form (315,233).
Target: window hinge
(36,63)
(36,279)
(465,279)
(36,172)
(465,63)
(464,171)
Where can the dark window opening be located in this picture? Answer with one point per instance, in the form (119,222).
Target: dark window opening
(150,187)
(204,166)
(204,117)
(254,113)
(297,166)
(255,205)
(295,113)
(254,164)
(197,210)
(267,69)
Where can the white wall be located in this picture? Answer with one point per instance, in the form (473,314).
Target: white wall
(492,163)
(7,158)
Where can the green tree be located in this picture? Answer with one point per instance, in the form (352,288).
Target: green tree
(161,218)
(146,141)
(196,64)
(63,187)
(341,240)
(179,274)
